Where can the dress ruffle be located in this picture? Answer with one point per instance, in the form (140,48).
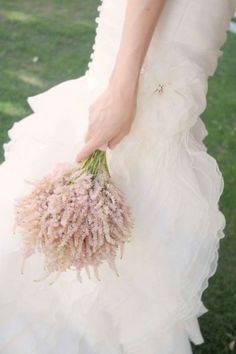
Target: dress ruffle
(172,184)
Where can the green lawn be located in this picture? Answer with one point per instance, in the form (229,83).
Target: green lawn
(60,34)
(219,324)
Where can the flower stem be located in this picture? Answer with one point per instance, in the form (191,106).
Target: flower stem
(95,162)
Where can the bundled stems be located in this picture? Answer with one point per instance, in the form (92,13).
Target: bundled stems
(95,162)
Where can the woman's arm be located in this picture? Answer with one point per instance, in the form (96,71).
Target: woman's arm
(111,115)
(139,24)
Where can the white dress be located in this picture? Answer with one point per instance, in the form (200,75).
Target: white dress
(172,185)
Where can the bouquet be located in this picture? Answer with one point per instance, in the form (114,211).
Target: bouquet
(76,216)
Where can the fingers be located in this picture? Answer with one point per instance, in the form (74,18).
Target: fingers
(94,141)
(88,148)
(88,136)
(114,141)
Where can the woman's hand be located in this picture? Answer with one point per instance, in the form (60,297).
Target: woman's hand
(110,117)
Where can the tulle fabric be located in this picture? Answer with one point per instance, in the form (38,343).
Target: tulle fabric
(172,184)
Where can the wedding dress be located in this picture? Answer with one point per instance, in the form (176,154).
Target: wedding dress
(171,183)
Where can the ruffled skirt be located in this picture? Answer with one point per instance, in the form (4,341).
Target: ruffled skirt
(173,187)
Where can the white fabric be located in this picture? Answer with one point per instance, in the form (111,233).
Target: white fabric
(172,184)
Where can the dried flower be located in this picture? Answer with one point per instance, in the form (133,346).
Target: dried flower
(76,216)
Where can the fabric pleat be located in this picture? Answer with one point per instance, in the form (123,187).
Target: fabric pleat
(171,182)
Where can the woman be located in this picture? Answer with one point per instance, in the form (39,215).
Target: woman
(141,97)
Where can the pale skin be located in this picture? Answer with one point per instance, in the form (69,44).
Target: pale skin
(112,113)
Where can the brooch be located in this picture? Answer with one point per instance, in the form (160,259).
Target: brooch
(159,89)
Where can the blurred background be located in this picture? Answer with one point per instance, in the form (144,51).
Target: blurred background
(45,42)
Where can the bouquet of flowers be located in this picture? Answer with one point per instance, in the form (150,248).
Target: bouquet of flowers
(76,216)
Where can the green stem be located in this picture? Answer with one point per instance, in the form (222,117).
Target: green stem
(95,162)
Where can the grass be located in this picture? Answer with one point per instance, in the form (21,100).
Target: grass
(46,42)
(57,34)
(219,324)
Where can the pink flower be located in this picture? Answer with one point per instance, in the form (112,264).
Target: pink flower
(76,217)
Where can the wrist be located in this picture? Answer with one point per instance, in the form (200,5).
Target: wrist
(124,81)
